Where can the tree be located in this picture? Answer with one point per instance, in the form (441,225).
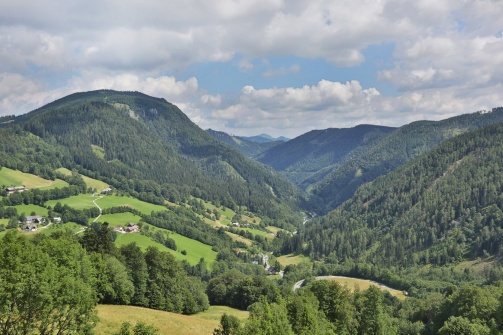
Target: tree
(305,317)
(336,302)
(373,319)
(139,329)
(135,262)
(458,325)
(229,325)
(45,288)
(267,319)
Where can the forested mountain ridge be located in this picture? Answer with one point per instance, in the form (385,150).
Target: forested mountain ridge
(441,207)
(389,152)
(145,146)
(247,147)
(309,157)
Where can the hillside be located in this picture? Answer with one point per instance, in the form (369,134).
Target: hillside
(247,147)
(144,146)
(309,157)
(442,207)
(366,163)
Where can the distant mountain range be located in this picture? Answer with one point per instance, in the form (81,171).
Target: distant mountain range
(264,138)
(330,164)
(246,146)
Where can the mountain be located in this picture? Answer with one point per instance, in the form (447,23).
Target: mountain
(368,162)
(264,138)
(247,147)
(142,145)
(309,157)
(442,207)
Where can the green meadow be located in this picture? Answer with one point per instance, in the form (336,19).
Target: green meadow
(144,242)
(9,177)
(60,227)
(90,182)
(28,209)
(195,249)
(116,201)
(80,201)
(119,219)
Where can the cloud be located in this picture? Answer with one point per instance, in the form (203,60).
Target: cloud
(326,104)
(19,94)
(447,57)
(282,71)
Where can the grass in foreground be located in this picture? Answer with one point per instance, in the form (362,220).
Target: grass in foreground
(203,323)
(9,177)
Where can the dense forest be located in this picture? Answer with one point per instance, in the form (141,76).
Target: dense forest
(422,213)
(440,208)
(308,158)
(388,153)
(144,146)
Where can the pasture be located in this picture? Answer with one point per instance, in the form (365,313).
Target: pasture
(204,323)
(28,209)
(60,227)
(117,219)
(90,182)
(9,177)
(116,201)
(363,284)
(195,249)
(292,259)
(80,201)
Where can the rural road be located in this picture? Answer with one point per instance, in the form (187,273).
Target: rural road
(94,202)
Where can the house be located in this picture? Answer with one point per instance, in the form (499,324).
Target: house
(34,219)
(132,228)
(29,227)
(235,224)
(106,190)
(56,219)
(14,189)
(119,229)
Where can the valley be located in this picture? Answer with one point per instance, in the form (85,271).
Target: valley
(145,214)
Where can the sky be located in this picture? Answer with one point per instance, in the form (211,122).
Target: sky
(246,67)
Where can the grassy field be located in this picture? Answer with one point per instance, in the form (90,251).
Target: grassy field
(80,201)
(28,209)
(258,232)
(115,201)
(10,177)
(90,182)
(239,238)
(195,249)
(274,230)
(117,219)
(291,259)
(363,284)
(204,323)
(194,253)
(56,227)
